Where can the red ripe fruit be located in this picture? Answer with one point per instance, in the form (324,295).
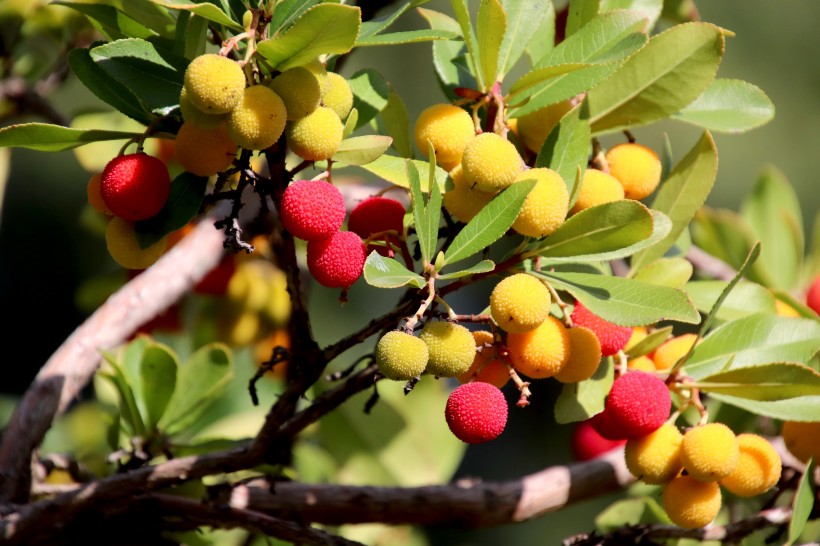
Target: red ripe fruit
(613,338)
(638,403)
(336,261)
(605,427)
(374,215)
(587,443)
(312,209)
(135,186)
(476,412)
(813,295)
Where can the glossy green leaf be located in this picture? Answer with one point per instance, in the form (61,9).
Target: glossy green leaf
(370,94)
(287,11)
(539,76)
(673,69)
(376,26)
(491,25)
(802,504)
(158,375)
(543,40)
(473,51)
(625,302)
(350,123)
(183,204)
(54,138)
(194,37)
(426,214)
(113,22)
(393,170)
(322,29)
(567,148)
(630,511)
(651,9)
(523,20)
(148,13)
(490,223)
(361,150)
(580,401)
(396,124)
(683,193)
(448,73)
(747,298)
(128,404)
(766,382)
(773,212)
(671,272)
(206,10)
(384,272)
(729,106)
(579,14)
(753,340)
(803,408)
(651,342)
(484,266)
(407,37)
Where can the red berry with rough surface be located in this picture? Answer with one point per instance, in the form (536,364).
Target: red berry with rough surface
(375,215)
(476,412)
(613,338)
(135,186)
(312,209)
(638,403)
(587,443)
(336,261)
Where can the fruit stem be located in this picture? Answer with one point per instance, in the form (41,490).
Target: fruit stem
(431,289)
(567,319)
(622,366)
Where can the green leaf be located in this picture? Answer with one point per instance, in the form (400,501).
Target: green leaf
(766,382)
(194,37)
(394,170)
(474,53)
(388,273)
(567,147)
(445,52)
(671,272)
(158,375)
(625,302)
(773,212)
(802,408)
(747,298)
(673,69)
(322,29)
(490,223)
(427,216)
(580,401)
(361,150)
(206,10)
(579,14)
(376,26)
(484,266)
(523,20)
(539,76)
(199,382)
(396,124)
(650,342)
(54,138)
(183,204)
(803,503)
(630,511)
(543,41)
(128,404)
(729,106)
(110,20)
(350,123)
(490,28)
(370,94)
(683,193)
(287,11)
(149,14)
(407,37)
(753,340)
(651,9)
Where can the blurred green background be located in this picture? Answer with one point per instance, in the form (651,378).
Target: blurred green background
(45,253)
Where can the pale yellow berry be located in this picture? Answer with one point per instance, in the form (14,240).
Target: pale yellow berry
(316,136)
(758,467)
(709,452)
(546,205)
(691,504)
(339,97)
(299,90)
(192,114)
(637,167)
(319,71)
(673,350)
(542,352)
(491,162)
(122,244)
(401,356)
(641,363)
(520,303)
(597,188)
(463,201)
(258,120)
(449,128)
(655,458)
(451,347)
(214,83)
(584,356)
(533,128)
(204,151)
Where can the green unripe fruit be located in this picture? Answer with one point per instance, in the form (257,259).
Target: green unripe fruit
(192,114)
(214,83)
(709,452)
(491,162)
(401,356)
(299,90)
(546,205)
(691,504)
(339,97)
(449,128)
(316,136)
(451,346)
(462,201)
(655,458)
(520,303)
(258,120)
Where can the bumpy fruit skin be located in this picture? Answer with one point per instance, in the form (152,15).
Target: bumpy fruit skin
(312,209)
(316,136)
(214,84)
(802,439)
(813,295)
(520,303)
(709,452)
(452,348)
(542,352)
(672,350)
(535,127)
(691,504)
(587,443)
(464,201)
(546,205)
(449,128)
(486,367)
(476,412)
(605,426)
(95,197)
(758,467)
(299,90)
(638,404)
(637,167)
(491,162)
(135,186)
(613,338)
(584,356)
(401,356)
(655,458)
(597,188)
(258,120)
(319,71)
(376,214)
(123,247)
(339,97)
(192,114)
(336,261)
(204,151)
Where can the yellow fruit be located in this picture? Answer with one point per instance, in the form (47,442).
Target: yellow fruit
(486,367)
(192,114)
(241,329)
(491,162)
(709,452)
(462,201)
(642,363)
(758,467)
(639,333)
(95,197)
(401,356)
(449,128)
(316,136)
(597,188)
(299,90)
(542,352)
(520,303)
(214,84)
(317,68)
(637,167)
(546,205)
(451,347)
(258,120)
(672,350)
(584,356)
(535,127)
(655,458)
(125,250)
(339,97)
(204,151)
(279,305)
(802,439)
(783,309)
(690,503)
